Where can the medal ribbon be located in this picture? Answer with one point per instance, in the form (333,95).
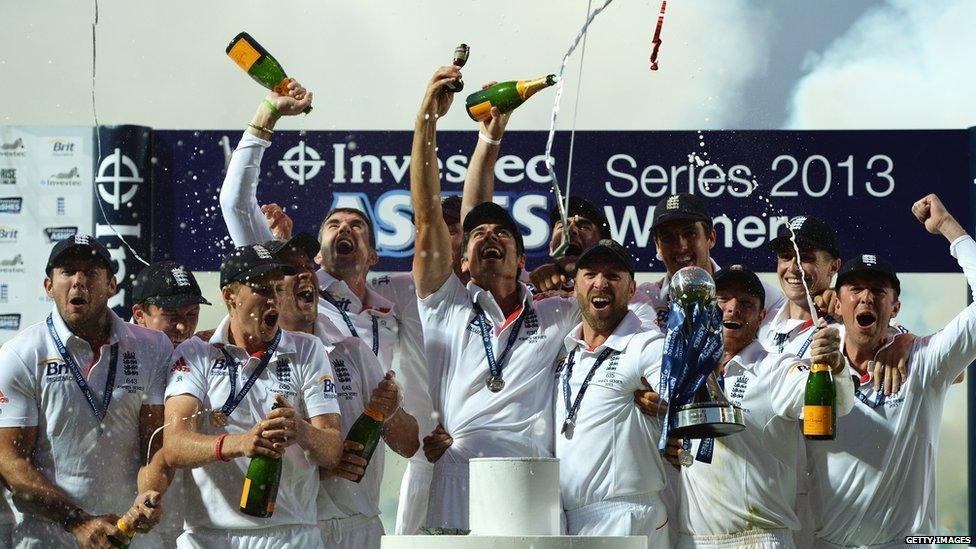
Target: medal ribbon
(235,398)
(80,379)
(572,409)
(352,329)
(495,367)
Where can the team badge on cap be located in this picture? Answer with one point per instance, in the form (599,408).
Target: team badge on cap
(673,202)
(797,223)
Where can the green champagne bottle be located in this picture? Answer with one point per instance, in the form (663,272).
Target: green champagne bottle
(819,413)
(257,62)
(367,431)
(505,95)
(261,485)
(124,536)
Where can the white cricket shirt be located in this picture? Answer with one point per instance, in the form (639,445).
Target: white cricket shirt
(751,481)
(300,371)
(40,391)
(377,315)
(613,450)
(875,483)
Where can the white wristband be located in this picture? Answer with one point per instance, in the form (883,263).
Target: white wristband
(489,140)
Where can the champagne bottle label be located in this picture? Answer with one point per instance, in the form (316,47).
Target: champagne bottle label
(481,111)
(244,54)
(818,420)
(245,492)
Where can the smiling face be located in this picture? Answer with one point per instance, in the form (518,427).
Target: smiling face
(818,267)
(80,288)
(490,251)
(682,243)
(604,289)
(298,302)
(742,313)
(178,323)
(253,307)
(347,245)
(582,234)
(867,302)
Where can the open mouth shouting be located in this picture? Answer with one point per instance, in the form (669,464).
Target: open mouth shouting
(77,303)
(305,295)
(733,325)
(492,252)
(866,319)
(344,245)
(600,302)
(684,260)
(269,320)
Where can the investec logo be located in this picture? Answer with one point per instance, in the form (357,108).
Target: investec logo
(10,322)
(301,163)
(65,178)
(118,179)
(57,234)
(13,148)
(13,264)
(11,205)
(64,146)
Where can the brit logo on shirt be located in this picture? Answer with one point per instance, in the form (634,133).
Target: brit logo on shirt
(738,391)
(283,370)
(219,367)
(130,365)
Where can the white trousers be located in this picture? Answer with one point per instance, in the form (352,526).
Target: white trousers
(448,503)
(750,539)
(632,516)
(355,532)
(284,537)
(414,493)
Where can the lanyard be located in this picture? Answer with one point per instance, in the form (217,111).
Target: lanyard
(352,329)
(880,396)
(572,409)
(495,367)
(235,398)
(80,379)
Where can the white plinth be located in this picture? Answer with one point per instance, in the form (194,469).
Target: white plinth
(514,497)
(513,542)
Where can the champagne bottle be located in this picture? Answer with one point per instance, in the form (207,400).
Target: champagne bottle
(261,485)
(505,95)
(257,62)
(367,431)
(819,410)
(126,532)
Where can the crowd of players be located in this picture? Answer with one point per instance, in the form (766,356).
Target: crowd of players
(154,421)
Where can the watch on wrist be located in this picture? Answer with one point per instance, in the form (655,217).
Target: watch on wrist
(73,517)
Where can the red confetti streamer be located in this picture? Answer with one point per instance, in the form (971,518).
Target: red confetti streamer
(657,35)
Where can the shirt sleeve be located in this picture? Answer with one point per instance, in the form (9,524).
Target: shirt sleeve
(18,403)
(319,388)
(787,392)
(642,307)
(188,370)
(651,356)
(156,390)
(945,354)
(238,195)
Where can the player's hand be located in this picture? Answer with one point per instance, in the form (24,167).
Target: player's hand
(649,402)
(825,348)
(278,221)
(437,99)
(94,532)
(671,452)
(252,443)
(931,212)
(890,369)
(351,466)
(547,277)
(436,443)
(294,101)
(825,302)
(567,294)
(146,511)
(386,396)
(494,125)
(284,426)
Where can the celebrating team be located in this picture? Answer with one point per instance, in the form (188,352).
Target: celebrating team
(493,361)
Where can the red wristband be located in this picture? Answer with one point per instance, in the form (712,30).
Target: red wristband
(218,446)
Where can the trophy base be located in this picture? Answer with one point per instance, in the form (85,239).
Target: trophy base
(707,420)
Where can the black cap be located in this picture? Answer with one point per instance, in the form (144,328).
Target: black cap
(489,212)
(868,263)
(606,249)
(810,231)
(79,245)
(681,206)
(738,274)
(582,207)
(302,242)
(167,284)
(247,262)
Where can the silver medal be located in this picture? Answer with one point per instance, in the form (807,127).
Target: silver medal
(218,418)
(685,458)
(568,427)
(495,383)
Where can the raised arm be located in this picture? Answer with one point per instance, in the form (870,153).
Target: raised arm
(432,249)
(479,182)
(246,222)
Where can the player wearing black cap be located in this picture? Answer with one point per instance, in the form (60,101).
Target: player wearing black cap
(82,392)
(167,298)
(587,225)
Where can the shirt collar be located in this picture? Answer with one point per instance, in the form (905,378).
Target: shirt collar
(375,302)
(752,354)
(486,300)
(221,337)
(666,281)
(628,326)
(782,323)
(117,331)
